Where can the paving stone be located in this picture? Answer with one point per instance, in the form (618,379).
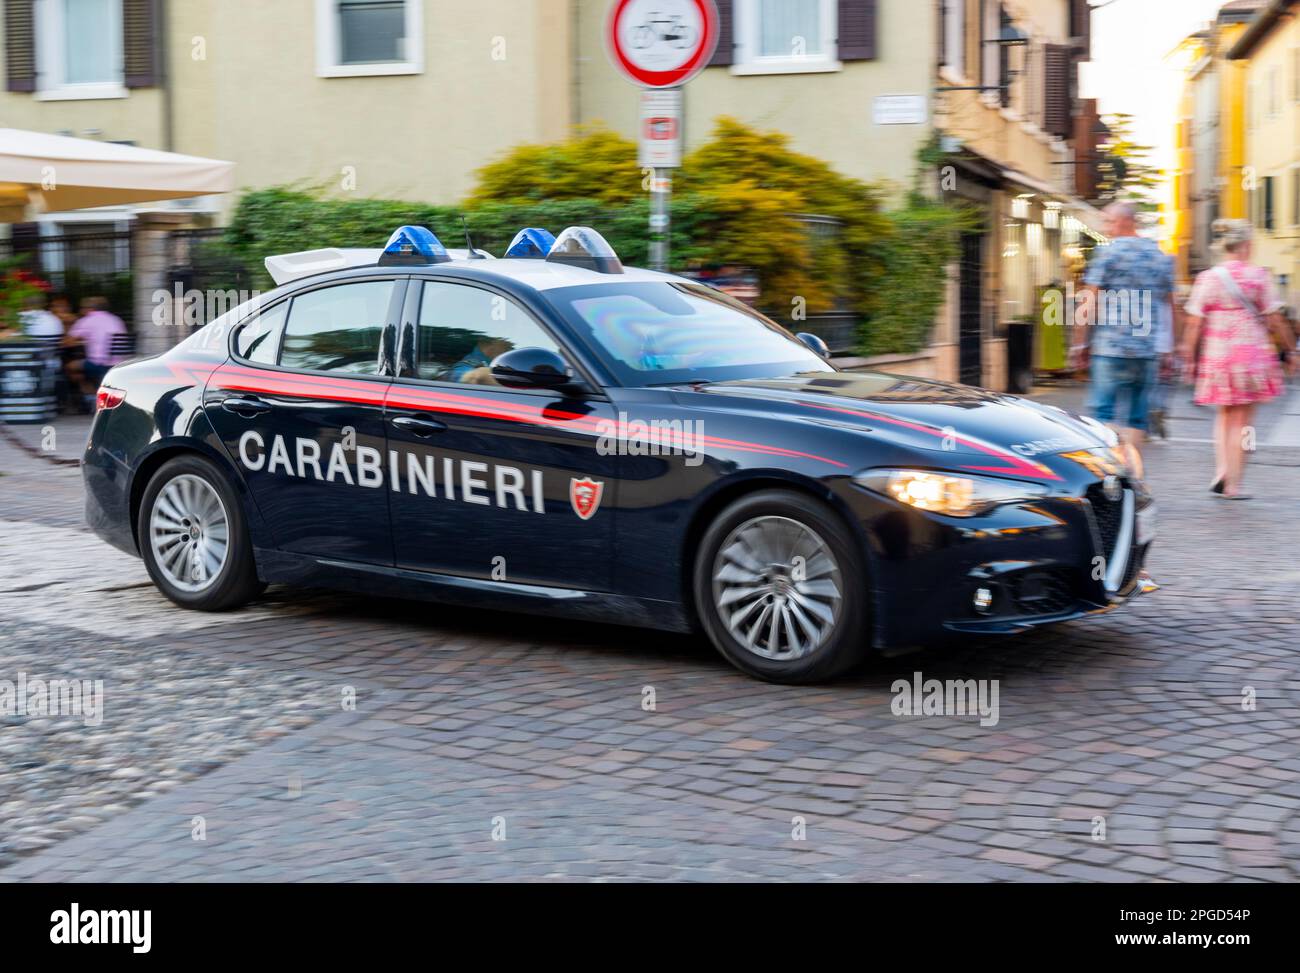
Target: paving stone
(465,722)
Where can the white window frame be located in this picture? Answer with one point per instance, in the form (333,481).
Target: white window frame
(991,54)
(954,40)
(747,61)
(51,62)
(329,49)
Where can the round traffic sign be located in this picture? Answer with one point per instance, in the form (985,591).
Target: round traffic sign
(661,43)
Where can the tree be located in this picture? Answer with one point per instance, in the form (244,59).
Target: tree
(1122,169)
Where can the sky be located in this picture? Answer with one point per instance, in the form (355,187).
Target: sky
(1128,72)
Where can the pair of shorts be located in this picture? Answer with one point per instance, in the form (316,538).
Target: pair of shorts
(95,372)
(1128,379)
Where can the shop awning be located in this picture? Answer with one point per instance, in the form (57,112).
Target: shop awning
(55,173)
(1084,212)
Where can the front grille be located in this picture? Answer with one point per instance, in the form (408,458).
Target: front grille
(1041,592)
(1108,514)
(1134,566)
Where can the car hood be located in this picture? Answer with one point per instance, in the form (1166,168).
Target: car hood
(964,427)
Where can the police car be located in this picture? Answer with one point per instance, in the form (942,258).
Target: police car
(553,432)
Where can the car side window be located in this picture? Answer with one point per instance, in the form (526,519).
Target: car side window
(463,328)
(338,329)
(258,340)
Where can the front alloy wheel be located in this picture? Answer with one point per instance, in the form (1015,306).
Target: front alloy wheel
(776,585)
(780,588)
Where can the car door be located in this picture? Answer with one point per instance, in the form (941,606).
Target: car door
(495,483)
(300,410)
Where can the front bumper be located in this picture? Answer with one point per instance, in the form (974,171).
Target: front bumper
(1018,567)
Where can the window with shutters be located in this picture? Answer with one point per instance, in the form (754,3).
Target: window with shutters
(780,36)
(1057,106)
(1295,195)
(358,38)
(79,50)
(954,39)
(990,52)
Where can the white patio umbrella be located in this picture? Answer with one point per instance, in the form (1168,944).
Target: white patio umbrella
(55,173)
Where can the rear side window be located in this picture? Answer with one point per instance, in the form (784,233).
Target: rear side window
(259,339)
(463,328)
(338,329)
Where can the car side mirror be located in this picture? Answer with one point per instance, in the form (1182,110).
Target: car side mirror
(532,368)
(814,344)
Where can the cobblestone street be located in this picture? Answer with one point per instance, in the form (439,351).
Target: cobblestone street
(517,748)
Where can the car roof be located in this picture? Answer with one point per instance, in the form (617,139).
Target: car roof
(543,275)
(538,274)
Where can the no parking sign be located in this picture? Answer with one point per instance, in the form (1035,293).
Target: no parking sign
(661,43)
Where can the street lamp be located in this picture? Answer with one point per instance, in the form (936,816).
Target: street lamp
(1009,36)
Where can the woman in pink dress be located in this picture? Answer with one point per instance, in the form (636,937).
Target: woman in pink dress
(1234,312)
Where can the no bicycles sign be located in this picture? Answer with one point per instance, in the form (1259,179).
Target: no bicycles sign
(661,43)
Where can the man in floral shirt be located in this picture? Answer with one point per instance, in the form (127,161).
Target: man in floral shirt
(1127,282)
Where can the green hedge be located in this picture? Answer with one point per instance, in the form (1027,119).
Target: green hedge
(893,277)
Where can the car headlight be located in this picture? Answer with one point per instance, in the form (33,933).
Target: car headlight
(947,493)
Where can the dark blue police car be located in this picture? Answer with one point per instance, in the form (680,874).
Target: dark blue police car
(553,432)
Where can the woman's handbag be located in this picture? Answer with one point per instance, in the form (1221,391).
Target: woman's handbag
(1233,288)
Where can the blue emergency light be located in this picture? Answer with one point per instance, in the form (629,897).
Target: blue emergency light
(531,243)
(413,246)
(582,246)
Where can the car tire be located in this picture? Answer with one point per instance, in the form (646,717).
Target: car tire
(186,502)
(746,572)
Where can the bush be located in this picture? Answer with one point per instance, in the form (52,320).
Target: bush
(912,264)
(739,200)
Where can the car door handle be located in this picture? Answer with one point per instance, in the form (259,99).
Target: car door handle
(245,405)
(419,427)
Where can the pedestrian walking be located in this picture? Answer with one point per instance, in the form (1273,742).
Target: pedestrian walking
(94,332)
(1235,343)
(1126,284)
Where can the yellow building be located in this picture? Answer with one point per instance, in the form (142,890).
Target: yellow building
(1177,207)
(1209,176)
(1270,50)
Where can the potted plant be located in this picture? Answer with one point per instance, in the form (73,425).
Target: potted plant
(17,288)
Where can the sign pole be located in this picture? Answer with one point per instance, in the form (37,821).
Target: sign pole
(661,46)
(661,188)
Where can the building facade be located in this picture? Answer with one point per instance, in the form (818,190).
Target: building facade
(406,99)
(1269,49)
(1210,178)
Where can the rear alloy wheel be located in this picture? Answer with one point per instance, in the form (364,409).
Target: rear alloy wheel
(780,590)
(192,537)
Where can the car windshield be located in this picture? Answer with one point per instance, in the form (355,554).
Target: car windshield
(662,333)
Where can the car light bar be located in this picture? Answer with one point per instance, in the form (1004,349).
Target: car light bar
(582,246)
(531,243)
(413,246)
